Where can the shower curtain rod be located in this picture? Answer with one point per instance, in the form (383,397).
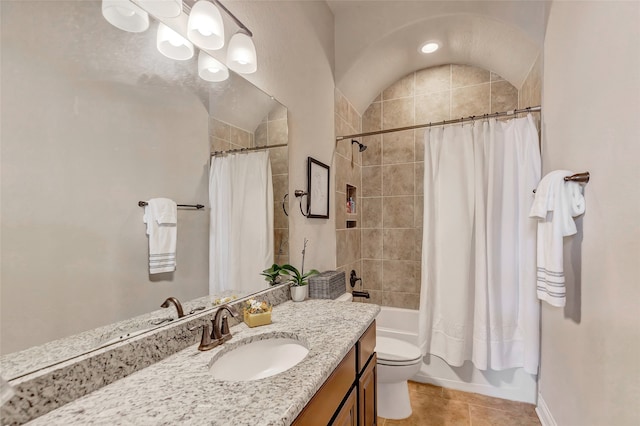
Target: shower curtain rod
(441,123)
(231,151)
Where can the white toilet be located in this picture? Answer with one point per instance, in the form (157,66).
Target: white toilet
(398,361)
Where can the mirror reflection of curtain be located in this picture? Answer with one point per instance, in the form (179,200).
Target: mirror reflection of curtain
(478,298)
(241,225)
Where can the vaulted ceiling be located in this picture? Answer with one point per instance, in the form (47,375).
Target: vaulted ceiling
(377,42)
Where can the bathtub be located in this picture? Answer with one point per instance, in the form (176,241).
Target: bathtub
(514,384)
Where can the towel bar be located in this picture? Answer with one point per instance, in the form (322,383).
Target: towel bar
(195,206)
(578,177)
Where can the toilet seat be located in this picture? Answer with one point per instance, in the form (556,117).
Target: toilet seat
(396,352)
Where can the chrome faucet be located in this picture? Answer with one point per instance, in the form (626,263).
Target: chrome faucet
(176,303)
(220,333)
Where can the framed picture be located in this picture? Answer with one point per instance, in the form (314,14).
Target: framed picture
(318,189)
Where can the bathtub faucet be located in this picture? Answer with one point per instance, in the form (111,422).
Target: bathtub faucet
(364,294)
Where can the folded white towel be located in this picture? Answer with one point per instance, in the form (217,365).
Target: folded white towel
(556,204)
(161,217)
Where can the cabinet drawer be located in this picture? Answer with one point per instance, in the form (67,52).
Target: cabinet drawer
(366,346)
(326,401)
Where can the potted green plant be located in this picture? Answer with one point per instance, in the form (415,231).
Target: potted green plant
(298,281)
(272,274)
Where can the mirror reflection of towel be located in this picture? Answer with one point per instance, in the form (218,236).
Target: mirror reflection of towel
(161,217)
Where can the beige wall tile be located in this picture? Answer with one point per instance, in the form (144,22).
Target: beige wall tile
(342,106)
(340,210)
(341,247)
(496,77)
(353,245)
(279,112)
(371,181)
(343,147)
(261,135)
(372,274)
(433,107)
(418,168)
(378,98)
(418,211)
(239,137)
(398,179)
(278,132)
(398,212)
(280,220)
(400,276)
(372,156)
(354,119)
(433,79)
(400,89)
(504,97)
(347,172)
(401,300)
(372,118)
(398,147)
(280,187)
(219,129)
(281,246)
(371,244)
(371,212)
(397,113)
(466,75)
(279,160)
(469,101)
(400,244)
(219,145)
(375,298)
(419,144)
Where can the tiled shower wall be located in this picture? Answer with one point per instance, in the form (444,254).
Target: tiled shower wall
(392,170)
(347,163)
(273,130)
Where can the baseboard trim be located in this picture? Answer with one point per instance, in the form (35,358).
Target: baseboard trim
(544,414)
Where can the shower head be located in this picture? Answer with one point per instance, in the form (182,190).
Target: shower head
(361,146)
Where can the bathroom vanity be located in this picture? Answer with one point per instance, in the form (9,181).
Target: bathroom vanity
(336,380)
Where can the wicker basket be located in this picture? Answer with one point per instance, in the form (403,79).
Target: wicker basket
(327,285)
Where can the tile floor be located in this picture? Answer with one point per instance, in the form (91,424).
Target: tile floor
(436,406)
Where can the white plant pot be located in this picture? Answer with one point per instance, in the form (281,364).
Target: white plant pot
(299,292)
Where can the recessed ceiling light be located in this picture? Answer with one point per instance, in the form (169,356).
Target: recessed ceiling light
(429,47)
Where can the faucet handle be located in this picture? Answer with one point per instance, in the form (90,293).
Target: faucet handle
(225,325)
(205,342)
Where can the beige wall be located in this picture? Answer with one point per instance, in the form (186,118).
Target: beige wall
(392,169)
(590,359)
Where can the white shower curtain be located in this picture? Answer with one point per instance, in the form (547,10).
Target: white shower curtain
(241,223)
(478,295)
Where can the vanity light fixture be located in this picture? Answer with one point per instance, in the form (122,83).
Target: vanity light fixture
(162,8)
(125,15)
(210,69)
(173,45)
(205,28)
(429,47)
(241,53)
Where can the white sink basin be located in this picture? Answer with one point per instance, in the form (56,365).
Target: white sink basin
(258,359)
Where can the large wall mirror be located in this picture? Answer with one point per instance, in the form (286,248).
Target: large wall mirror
(95,119)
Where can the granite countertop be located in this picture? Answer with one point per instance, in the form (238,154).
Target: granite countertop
(181,390)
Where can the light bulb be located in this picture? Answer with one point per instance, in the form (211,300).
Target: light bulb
(429,47)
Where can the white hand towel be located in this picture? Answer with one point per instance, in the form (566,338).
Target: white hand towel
(160,215)
(556,204)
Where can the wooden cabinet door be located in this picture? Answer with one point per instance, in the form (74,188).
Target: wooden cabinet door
(367,394)
(348,414)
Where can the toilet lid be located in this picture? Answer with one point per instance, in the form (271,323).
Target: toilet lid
(390,349)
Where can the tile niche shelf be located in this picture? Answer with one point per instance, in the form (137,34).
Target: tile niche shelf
(350,206)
